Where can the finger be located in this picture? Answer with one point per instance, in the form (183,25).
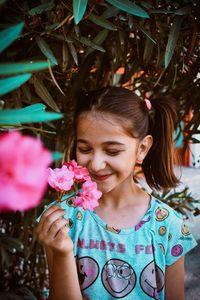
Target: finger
(51,218)
(49,210)
(49,213)
(57,226)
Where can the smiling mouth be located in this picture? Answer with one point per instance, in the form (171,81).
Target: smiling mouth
(100,177)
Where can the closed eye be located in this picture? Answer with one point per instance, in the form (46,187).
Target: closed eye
(113,153)
(84,151)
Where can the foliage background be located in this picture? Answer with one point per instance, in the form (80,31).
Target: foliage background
(151,47)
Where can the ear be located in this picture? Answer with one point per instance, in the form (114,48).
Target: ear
(143,148)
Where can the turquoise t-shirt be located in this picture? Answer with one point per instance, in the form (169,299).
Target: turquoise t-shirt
(127,263)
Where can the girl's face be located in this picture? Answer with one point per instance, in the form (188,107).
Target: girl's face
(105,148)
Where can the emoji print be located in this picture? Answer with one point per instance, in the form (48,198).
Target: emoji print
(79,215)
(184,229)
(112,229)
(161,214)
(118,278)
(162,248)
(88,271)
(70,223)
(162,230)
(169,236)
(152,280)
(177,250)
(70,202)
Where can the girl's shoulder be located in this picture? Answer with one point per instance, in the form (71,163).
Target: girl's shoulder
(163,212)
(171,232)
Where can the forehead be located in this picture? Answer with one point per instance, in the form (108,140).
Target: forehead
(101,126)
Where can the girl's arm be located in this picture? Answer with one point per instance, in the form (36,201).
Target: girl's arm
(174,281)
(63,276)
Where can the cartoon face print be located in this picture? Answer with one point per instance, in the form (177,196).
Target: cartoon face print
(88,271)
(162,230)
(70,223)
(70,202)
(162,248)
(79,215)
(152,280)
(177,250)
(161,214)
(185,230)
(118,278)
(112,229)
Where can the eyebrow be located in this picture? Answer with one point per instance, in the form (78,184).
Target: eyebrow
(105,143)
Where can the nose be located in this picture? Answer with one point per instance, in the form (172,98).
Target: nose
(97,163)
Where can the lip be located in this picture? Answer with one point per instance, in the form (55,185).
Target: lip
(100,177)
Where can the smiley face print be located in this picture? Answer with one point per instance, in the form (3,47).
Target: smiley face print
(177,250)
(185,230)
(88,271)
(162,230)
(152,280)
(161,214)
(118,278)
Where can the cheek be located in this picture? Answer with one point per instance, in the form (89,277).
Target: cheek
(81,159)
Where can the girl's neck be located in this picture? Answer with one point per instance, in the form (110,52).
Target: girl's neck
(124,196)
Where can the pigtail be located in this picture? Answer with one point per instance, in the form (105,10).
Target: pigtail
(158,165)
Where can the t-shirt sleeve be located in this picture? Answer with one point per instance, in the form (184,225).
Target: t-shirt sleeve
(180,239)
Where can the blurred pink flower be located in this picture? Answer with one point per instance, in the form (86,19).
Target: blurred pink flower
(61,179)
(89,196)
(23,171)
(81,174)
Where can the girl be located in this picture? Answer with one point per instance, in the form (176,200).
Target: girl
(132,246)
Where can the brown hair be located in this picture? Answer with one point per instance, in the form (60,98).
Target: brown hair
(159,122)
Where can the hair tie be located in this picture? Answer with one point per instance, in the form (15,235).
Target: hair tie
(148,103)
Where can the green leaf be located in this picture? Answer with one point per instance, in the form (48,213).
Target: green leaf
(172,39)
(98,40)
(19,116)
(183,11)
(44,47)
(79,8)
(110,12)
(129,7)
(146,33)
(41,8)
(38,107)
(9,35)
(56,155)
(148,50)
(73,52)
(102,22)
(2,2)
(89,43)
(7,69)
(146,5)
(11,83)
(44,94)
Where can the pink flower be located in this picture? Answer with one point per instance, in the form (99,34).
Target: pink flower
(88,198)
(61,179)
(81,174)
(23,171)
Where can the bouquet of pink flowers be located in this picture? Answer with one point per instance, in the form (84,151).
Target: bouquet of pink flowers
(73,180)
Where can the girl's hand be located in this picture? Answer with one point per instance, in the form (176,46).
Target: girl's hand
(53,232)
